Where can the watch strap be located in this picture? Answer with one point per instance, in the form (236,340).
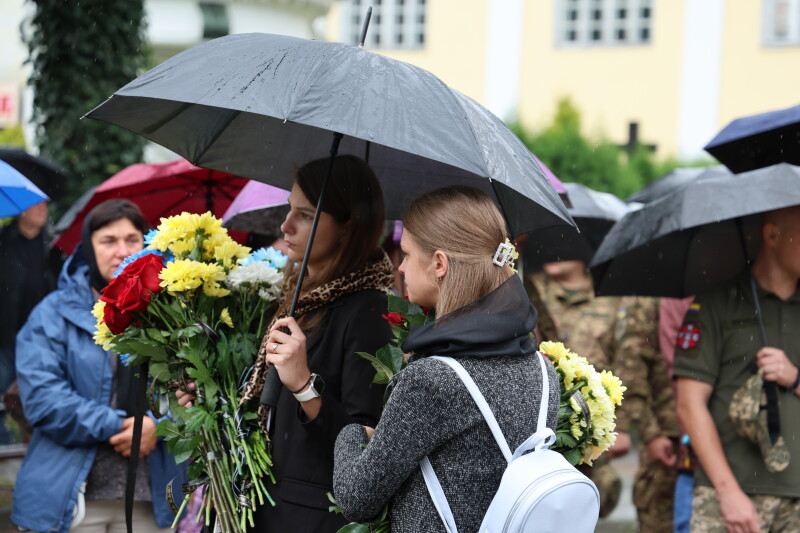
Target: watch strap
(310,393)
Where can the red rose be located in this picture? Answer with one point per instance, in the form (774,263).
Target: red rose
(134,287)
(116,320)
(394,319)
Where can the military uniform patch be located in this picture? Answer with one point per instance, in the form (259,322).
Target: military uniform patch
(689,336)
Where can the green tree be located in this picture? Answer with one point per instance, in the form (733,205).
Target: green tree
(597,164)
(81,52)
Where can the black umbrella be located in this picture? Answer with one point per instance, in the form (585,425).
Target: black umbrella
(45,174)
(672,180)
(261,105)
(594,212)
(701,235)
(759,141)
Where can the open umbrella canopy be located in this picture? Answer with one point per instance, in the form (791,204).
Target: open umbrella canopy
(45,174)
(594,212)
(261,105)
(672,180)
(258,208)
(697,237)
(759,141)
(160,190)
(17,193)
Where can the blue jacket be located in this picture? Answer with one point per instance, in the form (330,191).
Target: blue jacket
(65,383)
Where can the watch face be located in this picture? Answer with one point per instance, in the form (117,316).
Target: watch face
(318,384)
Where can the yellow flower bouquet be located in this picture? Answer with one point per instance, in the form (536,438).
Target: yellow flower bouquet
(586,414)
(193,306)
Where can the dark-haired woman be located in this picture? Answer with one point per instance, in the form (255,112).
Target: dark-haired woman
(326,384)
(79,401)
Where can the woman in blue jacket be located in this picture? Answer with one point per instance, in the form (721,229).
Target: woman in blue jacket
(77,398)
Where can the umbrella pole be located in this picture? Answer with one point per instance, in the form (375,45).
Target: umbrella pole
(273,385)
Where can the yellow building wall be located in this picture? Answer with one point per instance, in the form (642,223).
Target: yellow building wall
(455,43)
(611,86)
(754,78)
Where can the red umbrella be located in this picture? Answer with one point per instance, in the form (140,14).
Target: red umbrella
(160,190)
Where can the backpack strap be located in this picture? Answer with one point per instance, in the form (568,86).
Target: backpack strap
(543,437)
(437,495)
(486,411)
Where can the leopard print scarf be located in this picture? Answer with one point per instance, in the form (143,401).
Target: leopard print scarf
(376,274)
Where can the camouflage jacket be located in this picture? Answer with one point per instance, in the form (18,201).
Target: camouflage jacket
(619,334)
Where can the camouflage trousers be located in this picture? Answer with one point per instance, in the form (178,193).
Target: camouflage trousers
(777,514)
(654,494)
(608,483)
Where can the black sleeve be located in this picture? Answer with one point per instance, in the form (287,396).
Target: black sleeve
(365,330)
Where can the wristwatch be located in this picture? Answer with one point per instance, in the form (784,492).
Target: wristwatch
(314,390)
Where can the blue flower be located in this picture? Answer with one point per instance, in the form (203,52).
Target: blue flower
(270,255)
(168,256)
(149,237)
(125,358)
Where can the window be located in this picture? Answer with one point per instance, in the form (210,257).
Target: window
(394,24)
(604,22)
(781,23)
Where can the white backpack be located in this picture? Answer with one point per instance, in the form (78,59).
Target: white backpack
(539,492)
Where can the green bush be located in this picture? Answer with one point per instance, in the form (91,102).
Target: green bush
(601,165)
(81,52)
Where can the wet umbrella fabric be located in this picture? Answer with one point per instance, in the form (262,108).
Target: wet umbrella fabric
(690,241)
(160,190)
(594,212)
(17,193)
(46,175)
(758,141)
(261,105)
(258,208)
(672,180)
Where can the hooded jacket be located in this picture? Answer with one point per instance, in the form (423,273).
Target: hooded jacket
(65,382)
(431,413)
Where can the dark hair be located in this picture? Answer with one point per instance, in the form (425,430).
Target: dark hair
(110,211)
(354,195)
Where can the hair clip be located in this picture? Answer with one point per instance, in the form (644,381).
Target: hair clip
(506,254)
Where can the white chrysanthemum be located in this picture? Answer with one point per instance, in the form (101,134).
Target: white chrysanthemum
(257,276)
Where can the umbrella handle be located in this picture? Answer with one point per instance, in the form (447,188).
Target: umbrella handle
(273,385)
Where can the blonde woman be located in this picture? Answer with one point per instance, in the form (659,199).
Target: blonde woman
(483,320)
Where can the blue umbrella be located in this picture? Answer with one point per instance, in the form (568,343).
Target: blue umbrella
(17,193)
(759,141)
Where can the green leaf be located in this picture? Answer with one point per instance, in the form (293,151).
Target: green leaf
(155,335)
(382,372)
(354,528)
(397,304)
(168,430)
(391,357)
(573,456)
(186,333)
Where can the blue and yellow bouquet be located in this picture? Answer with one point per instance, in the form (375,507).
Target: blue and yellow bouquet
(193,306)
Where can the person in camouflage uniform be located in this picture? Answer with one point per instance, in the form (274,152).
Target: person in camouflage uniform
(656,421)
(620,335)
(741,485)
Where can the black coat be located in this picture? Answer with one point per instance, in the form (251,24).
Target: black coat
(302,450)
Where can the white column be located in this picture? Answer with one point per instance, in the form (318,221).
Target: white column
(700,75)
(504,56)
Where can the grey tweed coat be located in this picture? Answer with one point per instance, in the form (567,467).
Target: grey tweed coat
(430,412)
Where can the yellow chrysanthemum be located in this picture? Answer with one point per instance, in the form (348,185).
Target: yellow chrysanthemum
(98,310)
(554,350)
(103,335)
(183,275)
(213,289)
(613,386)
(181,248)
(228,252)
(225,316)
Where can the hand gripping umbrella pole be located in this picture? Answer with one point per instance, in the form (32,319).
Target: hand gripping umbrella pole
(272,385)
(770,388)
